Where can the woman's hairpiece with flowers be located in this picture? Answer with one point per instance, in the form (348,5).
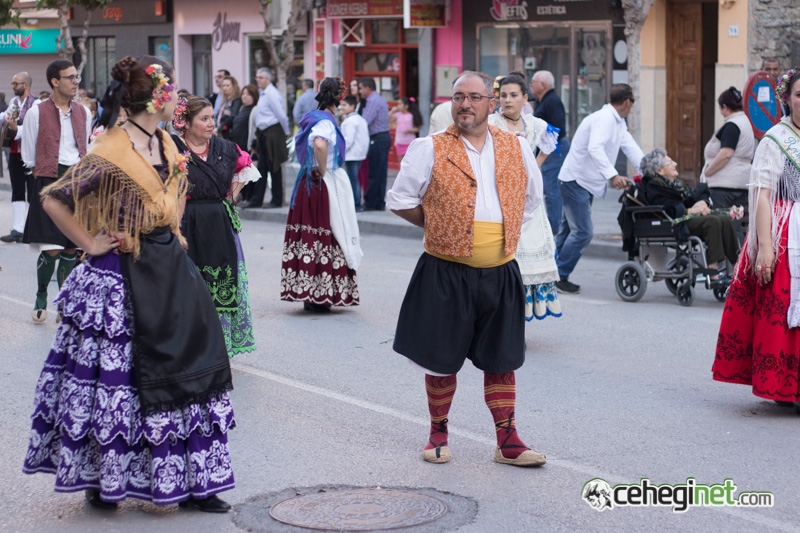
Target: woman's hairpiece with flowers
(343,91)
(782,88)
(161,89)
(179,118)
(496,85)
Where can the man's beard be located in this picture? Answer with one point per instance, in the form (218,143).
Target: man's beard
(19,92)
(473,125)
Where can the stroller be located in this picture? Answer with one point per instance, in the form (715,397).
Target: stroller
(658,250)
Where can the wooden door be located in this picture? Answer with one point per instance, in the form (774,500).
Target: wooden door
(684,88)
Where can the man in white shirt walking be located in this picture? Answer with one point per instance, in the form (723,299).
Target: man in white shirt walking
(587,171)
(356,138)
(271,125)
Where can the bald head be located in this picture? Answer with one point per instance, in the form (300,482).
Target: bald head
(542,82)
(24,77)
(21,83)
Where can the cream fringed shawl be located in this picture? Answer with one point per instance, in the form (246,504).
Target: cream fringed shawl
(116,190)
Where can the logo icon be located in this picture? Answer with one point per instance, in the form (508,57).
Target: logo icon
(25,42)
(597,493)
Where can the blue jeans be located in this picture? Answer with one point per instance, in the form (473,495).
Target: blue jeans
(576,230)
(351,167)
(552,195)
(378,160)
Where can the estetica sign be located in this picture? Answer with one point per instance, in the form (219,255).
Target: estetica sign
(224,31)
(28,41)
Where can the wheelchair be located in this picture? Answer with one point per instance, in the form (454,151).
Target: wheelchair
(655,253)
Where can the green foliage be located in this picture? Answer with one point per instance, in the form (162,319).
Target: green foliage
(7,15)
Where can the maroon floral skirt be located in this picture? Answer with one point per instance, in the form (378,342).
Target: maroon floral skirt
(314,269)
(755,345)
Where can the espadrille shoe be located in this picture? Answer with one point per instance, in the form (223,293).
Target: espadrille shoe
(526,458)
(39,316)
(440,454)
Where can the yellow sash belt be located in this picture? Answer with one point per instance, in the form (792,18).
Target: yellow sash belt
(487,250)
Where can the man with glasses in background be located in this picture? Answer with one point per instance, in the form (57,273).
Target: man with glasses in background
(54,137)
(22,186)
(586,173)
(470,187)
(217,98)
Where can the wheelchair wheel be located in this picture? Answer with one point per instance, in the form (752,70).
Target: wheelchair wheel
(685,293)
(631,282)
(720,293)
(681,266)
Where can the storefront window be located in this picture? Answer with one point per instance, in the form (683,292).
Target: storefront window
(385,31)
(101,54)
(378,62)
(161,47)
(574,52)
(201,65)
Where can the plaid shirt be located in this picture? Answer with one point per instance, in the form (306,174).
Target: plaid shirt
(376,113)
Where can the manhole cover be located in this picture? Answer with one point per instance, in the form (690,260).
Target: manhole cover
(359,510)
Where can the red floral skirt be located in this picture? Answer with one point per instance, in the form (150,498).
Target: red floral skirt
(755,345)
(314,269)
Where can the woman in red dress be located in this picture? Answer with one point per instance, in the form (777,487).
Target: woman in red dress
(759,337)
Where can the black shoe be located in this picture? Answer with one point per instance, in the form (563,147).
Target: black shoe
(567,287)
(212,504)
(14,236)
(784,404)
(93,497)
(316,308)
(374,209)
(251,205)
(273,206)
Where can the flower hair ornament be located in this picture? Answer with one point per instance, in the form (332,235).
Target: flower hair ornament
(179,118)
(161,89)
(782,88)
(342,87)
(496,85)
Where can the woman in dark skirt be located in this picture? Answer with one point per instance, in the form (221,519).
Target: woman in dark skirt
(211,225)
(321,248)
(133,398)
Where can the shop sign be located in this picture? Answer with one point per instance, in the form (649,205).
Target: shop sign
(364,8)
(28,41)
(505,10)
(425,13)
(319,50)
(224,31)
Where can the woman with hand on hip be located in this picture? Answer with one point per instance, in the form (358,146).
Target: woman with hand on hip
(759,336)
(536,250)
(321,248)
(133,398)
(217,171)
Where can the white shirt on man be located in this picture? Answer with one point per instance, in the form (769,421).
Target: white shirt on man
(415,175)
(68,154)
(594,151)
(356,137)
(271,110)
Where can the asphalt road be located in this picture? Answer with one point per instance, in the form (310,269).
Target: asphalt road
(612,390)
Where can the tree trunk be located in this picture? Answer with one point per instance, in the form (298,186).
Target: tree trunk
(64,42)
(282,59)
(636,12)
(82,40)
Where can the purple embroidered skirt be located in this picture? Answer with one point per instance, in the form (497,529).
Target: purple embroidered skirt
(87,426)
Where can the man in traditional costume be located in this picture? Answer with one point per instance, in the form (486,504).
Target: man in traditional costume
(55,136)
(470,187)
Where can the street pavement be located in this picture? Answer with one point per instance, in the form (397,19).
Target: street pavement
(613,390)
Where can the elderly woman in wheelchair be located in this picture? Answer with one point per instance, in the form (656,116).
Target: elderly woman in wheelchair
(662,187)
(700,241)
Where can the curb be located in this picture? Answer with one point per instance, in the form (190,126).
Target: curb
(601,247)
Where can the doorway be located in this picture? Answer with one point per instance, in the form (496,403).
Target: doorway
(691,102)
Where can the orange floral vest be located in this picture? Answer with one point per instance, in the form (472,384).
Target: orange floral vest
(449,201)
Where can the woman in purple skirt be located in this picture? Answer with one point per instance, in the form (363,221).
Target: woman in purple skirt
(133,398)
